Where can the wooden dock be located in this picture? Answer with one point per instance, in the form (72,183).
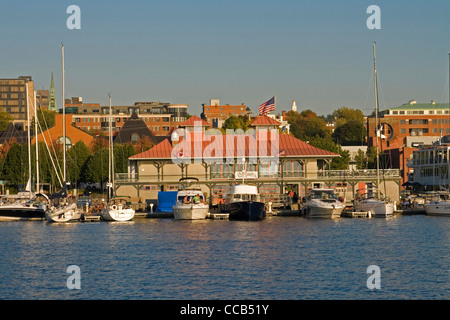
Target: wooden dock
(91,218)
(357,214)
(218,216)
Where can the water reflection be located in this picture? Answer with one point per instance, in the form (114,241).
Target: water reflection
(278,258)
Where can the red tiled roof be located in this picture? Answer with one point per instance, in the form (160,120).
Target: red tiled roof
(162,150)
(242,145)
(265,121)
(194,121)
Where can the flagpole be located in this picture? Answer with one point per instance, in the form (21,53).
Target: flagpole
(275,100)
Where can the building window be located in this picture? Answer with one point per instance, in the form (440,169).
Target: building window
(134,138)
(68,142)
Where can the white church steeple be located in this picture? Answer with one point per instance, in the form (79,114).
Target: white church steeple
(294,106)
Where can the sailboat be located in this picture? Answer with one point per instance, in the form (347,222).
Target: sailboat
(62,210)
(117,208)
(25,204)
(441,207)
(372,201)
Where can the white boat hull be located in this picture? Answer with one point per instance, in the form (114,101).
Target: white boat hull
(328,211)
(63,214)
(378,208)
(117,214)
(190,212)
(437,208)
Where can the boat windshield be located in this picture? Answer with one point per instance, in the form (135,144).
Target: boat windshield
(323,194)
(245,197)
(190,199)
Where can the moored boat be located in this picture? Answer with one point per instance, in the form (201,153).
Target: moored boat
(190,205)
(378,207)
(322,203)
(118,209)
(243,203)
(64,213)
(437,208)
(19,209)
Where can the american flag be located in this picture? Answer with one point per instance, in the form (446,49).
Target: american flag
(267,106)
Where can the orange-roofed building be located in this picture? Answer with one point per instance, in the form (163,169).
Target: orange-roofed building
(274,162)
(56,133)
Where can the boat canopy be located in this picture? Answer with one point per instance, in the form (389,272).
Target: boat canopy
(243,189)
(166,199)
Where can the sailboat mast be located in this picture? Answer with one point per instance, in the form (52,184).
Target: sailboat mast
(110,159)
(29,141)
(448,157)
(376,115)
(37,149)
(64,117)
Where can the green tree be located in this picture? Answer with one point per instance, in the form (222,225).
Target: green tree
(77,158)
(307,125)
(350,133)
(121,154)
(344,114)
(46,119)
(97,167)
(361,159)
(5,120)
(15,165)
(239,122)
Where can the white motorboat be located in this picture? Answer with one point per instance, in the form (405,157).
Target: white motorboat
(19,208)
(190,205)
(437,208)
(322,203)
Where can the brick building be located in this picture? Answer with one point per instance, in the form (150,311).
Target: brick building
(405,128)
(215,113)
(160,118)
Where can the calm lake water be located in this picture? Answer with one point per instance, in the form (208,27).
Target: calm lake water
(281,258)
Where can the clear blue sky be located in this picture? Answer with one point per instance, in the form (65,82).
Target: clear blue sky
(316,52)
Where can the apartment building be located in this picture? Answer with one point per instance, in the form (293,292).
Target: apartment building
(404,128)
(161,118)
(16,98)
(215,114)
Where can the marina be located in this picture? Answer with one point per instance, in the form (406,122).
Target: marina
(225,151)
